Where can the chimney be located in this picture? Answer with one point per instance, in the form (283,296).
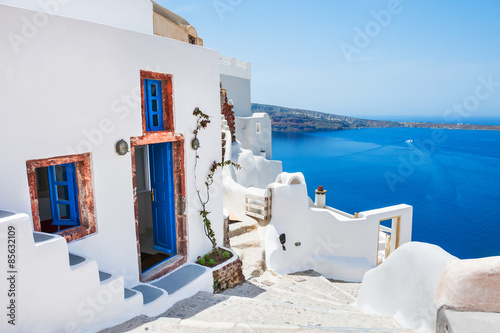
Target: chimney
(320,197)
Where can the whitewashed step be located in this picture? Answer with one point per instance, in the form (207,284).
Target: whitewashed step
(41,237)
(104,277)
(76,260)
(154,300)
(180,278)
(184,282)
(149,293)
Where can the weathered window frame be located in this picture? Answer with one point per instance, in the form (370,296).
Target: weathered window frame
(85,193)
(167,99)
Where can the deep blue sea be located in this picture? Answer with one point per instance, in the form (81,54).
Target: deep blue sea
(450,177)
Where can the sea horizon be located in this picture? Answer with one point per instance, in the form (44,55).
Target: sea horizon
(484,120)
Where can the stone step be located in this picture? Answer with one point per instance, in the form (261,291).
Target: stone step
(275,294)
(246,240)
(271,303)
(143,324)
(40,237)
(254,262)
(303,289)
(240,228)
(204,307)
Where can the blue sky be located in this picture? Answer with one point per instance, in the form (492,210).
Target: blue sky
(366,58)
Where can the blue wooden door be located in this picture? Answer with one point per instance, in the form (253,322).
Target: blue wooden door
(163,199)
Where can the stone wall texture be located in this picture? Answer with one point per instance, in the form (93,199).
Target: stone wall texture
(228,276)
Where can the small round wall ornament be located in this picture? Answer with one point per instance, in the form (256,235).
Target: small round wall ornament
(195,144)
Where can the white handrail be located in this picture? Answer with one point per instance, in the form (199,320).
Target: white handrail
(241,65)
(226,61)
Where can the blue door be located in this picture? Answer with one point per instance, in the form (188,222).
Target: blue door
(162,197)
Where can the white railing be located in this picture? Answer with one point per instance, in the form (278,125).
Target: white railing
(231,62)
(226,61)
(242,65)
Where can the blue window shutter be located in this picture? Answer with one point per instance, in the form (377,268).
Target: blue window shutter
(154,105)
(63,194)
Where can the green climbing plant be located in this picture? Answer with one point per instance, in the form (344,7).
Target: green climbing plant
(202,121)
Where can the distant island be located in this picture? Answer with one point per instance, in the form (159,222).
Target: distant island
(297,120)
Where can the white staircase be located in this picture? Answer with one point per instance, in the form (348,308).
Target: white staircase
(246,242)
(342,268)
(60,291)
(303,301)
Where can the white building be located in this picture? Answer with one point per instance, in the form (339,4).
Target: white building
(102,237)
(99,214)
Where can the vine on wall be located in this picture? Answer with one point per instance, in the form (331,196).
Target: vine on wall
(202,122)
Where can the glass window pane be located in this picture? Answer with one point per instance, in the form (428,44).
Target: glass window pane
(60,173)
(153,90)
(154,105)
(62,192)
(155,120)
(64,212)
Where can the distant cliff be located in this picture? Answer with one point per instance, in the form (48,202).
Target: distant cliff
(297,120)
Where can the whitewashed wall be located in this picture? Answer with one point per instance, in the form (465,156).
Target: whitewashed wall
(239,91)
(73,88)
(235,76)
(254,177)
(325,240)
(136,15)
(250,138)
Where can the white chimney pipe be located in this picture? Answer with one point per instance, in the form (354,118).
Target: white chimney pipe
(320,197)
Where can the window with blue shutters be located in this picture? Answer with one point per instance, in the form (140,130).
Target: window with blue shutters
(63,194)
(157,103)
(153,105)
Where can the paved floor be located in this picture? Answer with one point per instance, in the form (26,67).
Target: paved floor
(303,301)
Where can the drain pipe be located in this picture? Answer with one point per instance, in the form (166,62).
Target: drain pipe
(320,201)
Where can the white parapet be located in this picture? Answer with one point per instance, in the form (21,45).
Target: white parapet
(337,245)
(234,67)
(235,77)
